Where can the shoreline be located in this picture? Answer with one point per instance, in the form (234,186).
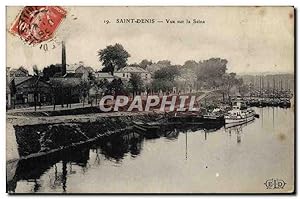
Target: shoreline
(30,135)
(90,117)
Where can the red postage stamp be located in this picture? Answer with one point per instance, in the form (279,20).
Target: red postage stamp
(36,24)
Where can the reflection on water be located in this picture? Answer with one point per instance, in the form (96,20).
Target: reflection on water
(186,156)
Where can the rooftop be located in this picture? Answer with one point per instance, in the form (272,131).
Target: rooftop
(73,75)
(65,81)
(19,80)
(103,75)
(130,69)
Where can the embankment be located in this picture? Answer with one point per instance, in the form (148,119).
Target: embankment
(37,139)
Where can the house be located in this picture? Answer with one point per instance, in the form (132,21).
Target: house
(79,67)
(103,75)
(83,69)
(18,72)
(71,68)
(26,88)
(125,73)
(56,71)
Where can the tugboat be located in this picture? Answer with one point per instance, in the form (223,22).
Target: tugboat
(240,114)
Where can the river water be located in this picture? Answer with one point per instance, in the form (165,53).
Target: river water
(239,159)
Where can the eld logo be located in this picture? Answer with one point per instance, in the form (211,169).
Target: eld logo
(275,184)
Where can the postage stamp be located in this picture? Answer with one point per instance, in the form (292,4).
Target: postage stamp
(36,24)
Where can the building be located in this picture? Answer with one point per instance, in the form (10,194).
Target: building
(19,72)
(72,67)
(79,68)
(26,88)
(84,69)
(125,73)
(103,75)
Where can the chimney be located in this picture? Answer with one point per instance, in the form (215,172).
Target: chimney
(63,59)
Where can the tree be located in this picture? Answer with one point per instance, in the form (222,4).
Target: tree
(190,64)
(103,85)
(56,88)
(243,88)
(13,90)
(116,87)
(210,72)
(164,78)
(84,90)
(91,77)
(229,80)
(162,85)
(167,73)
(36,85)
(144,63)
(137,84)
(164,62)
(113,58)
(100,88)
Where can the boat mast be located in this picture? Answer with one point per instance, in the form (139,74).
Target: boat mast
(262,83)
(273,88)
(186,145)
(260,86)
(280,88)
(268,88)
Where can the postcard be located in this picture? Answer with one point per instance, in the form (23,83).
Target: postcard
(150,100)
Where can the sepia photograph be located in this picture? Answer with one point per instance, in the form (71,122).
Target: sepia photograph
(150,100)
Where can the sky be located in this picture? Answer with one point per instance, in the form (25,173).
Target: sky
(253,39)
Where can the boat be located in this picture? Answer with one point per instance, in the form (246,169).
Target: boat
(213,117)
(285,103)
(194,118)
(146,126)
(239,114)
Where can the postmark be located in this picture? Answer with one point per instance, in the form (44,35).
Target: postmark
(36,24)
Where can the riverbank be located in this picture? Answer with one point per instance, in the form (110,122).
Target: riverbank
(32,137)
(42,134)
